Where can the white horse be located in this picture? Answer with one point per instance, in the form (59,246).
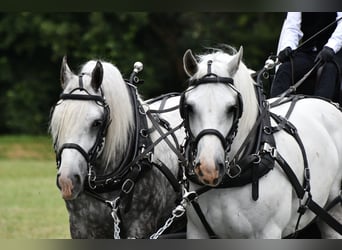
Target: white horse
(98,131)
(221,107)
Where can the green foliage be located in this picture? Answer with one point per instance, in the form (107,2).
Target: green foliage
(33,44)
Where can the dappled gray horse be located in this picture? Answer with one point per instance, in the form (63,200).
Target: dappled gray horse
(116,155)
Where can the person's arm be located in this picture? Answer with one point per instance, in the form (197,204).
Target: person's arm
(291,33)
(335,41)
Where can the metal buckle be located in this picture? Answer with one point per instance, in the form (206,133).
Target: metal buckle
(269,149)
(127,186)
(91,177)
(189,196)
(149,157)
(229,169)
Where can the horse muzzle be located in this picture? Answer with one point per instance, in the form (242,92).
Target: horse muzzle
(70,186)
(210,173)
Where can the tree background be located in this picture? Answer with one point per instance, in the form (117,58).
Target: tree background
(32,46)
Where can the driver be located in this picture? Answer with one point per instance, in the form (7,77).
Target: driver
(298,59)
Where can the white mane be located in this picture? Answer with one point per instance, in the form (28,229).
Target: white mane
(121,115)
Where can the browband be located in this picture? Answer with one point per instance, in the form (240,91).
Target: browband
(82,97)
(208,79)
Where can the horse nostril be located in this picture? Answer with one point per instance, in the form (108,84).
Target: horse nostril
(220,167)
(77,178)
(215,181)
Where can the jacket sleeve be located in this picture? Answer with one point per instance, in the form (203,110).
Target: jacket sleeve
(291,31)
(335,41)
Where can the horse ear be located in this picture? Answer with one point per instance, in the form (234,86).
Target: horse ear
(234,64)
(65,73)
(190,63)
(97,76)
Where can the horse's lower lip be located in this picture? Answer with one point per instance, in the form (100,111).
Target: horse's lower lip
(67,197)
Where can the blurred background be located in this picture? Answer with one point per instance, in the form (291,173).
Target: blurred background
(31,49)
(32,46)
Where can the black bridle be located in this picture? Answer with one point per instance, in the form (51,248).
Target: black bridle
(94,152)
(192,140)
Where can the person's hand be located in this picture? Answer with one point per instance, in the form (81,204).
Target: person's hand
(325,55)
(285,54)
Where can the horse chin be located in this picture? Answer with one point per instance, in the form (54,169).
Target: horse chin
(69,196)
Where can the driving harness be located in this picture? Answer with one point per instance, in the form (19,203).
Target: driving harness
(257,154)
(139,156)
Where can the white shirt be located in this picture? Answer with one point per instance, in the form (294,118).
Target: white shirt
(291,33)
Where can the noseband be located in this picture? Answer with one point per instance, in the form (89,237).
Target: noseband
(94,152)
(192,141)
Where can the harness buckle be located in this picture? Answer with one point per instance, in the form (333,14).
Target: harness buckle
(269,149)
(303,207)
(91,178)
(233,169)
(127,186)
(178,211)
(189,196)
(149,157)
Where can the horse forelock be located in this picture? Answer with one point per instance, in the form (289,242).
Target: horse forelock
(121,113)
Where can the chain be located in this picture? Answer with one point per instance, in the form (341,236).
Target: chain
(176,213)
(116,219)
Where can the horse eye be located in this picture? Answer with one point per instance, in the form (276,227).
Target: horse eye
(189,108)
(231,109)
(97,123)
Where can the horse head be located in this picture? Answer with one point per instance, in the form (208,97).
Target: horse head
(79,119)
(211,108)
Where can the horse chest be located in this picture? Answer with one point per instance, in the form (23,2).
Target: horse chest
(232,213)
(89,219)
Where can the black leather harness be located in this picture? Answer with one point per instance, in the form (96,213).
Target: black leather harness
(256,157)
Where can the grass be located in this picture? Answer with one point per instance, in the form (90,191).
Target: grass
(30,203)
(26,147)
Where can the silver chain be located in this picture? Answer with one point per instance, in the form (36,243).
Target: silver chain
(116,219)
(176,213)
